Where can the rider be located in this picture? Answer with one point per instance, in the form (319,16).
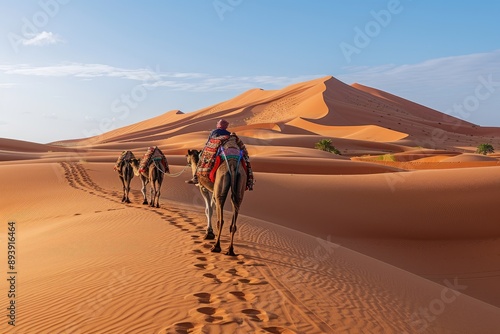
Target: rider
(221,130)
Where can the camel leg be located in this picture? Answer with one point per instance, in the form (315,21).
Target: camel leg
(127,199)
(143,190)
(152,193)
(157,193)
(232,230)
(209,210)
(220,193)
(220,224)
(127,181)
(123,184)
(236,199)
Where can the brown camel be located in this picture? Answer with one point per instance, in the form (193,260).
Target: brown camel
(153,175)
(231,175)
(126,173)
(193,157)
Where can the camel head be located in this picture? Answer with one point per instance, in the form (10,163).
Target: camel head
(135,165)
(193,156)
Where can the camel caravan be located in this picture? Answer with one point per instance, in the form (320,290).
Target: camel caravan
(222,166)
(151,169)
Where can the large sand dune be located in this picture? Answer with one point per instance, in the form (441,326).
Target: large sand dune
(399,234)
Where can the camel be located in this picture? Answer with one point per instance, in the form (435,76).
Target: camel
(126,173)
(153,175)
(193,157)
(231,175)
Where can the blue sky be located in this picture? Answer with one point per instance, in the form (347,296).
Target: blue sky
(73,68)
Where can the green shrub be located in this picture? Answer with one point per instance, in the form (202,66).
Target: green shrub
(326,145)
(485,149)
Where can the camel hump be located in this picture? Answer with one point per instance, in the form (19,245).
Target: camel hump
(153,153)
(124,156)
(128,155)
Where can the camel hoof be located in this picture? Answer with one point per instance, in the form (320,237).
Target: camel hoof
(145,203)
(158,205)
(209,236)
(123,199)
(128,201)
(215,249)
(230,252)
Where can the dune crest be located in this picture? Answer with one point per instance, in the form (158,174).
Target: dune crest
(396,234)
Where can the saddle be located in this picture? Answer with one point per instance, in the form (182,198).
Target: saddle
(214,154)
(153,154)
(124,156)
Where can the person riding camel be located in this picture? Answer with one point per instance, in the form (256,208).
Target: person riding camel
(221,130)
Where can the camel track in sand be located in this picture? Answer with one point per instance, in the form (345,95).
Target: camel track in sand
(234,290)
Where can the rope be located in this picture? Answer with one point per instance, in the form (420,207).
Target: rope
(171,175)
(227,163)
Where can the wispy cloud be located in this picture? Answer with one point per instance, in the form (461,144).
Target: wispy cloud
(435,73)
(42,38)
(182,81)
(7,85)
(449,84)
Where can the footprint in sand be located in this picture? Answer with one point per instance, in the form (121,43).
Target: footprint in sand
(211,315)
(206,298)
(238,272)
(259,315)
(212,278)
(242,296)
(182,328)
(205,266)
(207,246)
(203,297)
(252,281)
(278,330)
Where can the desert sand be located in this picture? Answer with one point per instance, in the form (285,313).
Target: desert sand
(398,234)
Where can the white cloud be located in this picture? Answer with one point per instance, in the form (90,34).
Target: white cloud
(441,83)
(448,71)
(51,115)
(7,85)
(180,81)
(43,38)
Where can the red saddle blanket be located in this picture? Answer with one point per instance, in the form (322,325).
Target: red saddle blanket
(153,153)
(218,161)
(210,160)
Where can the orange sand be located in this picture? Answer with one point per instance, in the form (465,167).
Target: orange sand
(370,241)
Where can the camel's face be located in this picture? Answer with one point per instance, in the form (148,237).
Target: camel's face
(192,157)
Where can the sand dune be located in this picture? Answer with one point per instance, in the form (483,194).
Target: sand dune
(398,234)
(470,158)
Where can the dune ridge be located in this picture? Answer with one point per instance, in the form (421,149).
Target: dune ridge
(398,234)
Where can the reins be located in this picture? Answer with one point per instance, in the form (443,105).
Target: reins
(171,175)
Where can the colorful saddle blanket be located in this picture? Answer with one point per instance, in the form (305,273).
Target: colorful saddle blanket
(211,157)
(124,156)
(153,154)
